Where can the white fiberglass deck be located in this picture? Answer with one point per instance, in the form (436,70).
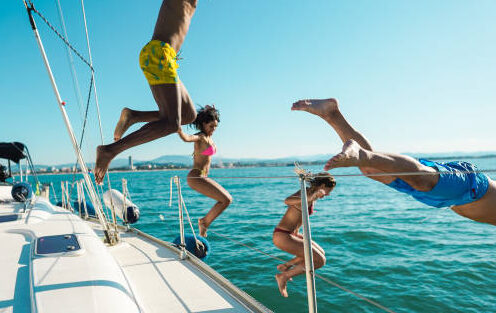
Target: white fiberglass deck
(164,283)
(140,274)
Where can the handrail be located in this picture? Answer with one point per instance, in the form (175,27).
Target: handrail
(307,246)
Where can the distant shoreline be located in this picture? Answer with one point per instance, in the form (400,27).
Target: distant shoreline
(119,171)
(253,164)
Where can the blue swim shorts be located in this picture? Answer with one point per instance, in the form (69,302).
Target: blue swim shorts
(455,185)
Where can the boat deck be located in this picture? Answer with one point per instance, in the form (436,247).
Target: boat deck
(140,274)
(164,283)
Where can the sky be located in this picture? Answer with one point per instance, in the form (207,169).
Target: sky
(412,76)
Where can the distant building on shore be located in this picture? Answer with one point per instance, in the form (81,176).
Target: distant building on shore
(131,166)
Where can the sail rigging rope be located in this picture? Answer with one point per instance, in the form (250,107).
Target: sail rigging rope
(82,131)
(60,36)
(75,80)
(92,72)
(77,90)
(92,85)
(327,280)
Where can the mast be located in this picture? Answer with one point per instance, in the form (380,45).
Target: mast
(111,238)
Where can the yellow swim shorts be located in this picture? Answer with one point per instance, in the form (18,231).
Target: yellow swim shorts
(158,62)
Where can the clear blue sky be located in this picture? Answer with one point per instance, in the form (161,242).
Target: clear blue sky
(413,76)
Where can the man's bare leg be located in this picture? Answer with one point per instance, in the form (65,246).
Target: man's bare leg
(168,99)
(160,123)
(354,155)
(328,110)
(172,26)
(129,117)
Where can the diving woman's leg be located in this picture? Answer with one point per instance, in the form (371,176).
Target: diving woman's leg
(208,187)
(295,246)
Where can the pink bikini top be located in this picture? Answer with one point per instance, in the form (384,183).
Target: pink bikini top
(209,151)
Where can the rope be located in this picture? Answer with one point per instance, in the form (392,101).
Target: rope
(354,175)
(176,180)
(75,80)
(83,129)
(354,293)
(104,222)
(54,194)
(86,112)
(61,36)
(97,104)
(327,280)
(92,73)
(189,220)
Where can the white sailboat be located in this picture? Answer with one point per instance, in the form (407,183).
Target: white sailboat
(56,261)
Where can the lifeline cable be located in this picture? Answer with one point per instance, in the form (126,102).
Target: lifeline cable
(318,275)
(354,175)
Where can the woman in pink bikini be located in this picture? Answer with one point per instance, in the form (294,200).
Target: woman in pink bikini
(206,122)
(287,238)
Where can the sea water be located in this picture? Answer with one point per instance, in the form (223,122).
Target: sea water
(379,243)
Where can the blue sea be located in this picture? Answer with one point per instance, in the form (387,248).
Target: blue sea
(379,243)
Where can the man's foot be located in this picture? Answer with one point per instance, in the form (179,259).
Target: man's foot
(350,156)
(282,284)
(202,228)
(320,107)
(103,158)
(123,124)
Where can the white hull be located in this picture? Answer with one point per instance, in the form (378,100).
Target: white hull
(139,274)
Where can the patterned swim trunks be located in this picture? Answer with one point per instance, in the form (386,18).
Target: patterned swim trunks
(158,62)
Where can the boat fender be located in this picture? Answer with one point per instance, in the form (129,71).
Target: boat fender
(128,212)
(79,206)
(22,192)
(201,250)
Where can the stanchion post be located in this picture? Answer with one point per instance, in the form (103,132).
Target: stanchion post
(183,254)
(307,244)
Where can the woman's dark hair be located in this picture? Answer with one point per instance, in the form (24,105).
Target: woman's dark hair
(323,178)
(206,114)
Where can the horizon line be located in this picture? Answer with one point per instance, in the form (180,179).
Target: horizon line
(480,153)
